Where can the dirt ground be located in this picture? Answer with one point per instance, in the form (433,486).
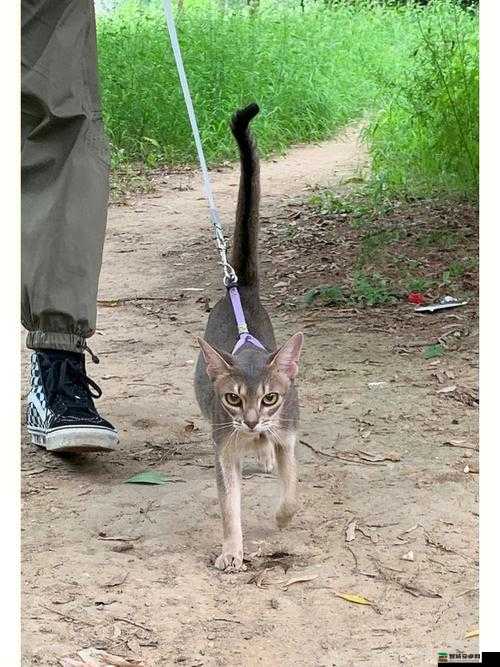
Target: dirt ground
(388,474)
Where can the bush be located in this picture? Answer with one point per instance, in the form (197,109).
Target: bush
(426,139)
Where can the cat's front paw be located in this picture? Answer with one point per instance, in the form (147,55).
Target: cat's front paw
(285,514)
(230,560)
(266,459)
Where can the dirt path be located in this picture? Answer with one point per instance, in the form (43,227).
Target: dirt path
(158,597)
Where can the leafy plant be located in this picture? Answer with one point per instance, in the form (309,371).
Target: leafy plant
(432,351)
(372,290)
(327,295)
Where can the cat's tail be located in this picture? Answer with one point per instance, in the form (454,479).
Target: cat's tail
(246,231)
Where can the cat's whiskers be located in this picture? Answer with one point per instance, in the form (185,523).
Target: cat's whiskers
(278,439)
(221,428)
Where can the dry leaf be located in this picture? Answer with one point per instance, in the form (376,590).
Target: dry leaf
(265,577)
(93,657)
(108,660)
(460,443)
(447,390)
(350,531)
(299,580)
(119,538)
(473,632)
(115,581)
(410,529)
(353,597)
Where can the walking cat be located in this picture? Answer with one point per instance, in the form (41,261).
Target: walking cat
(249,397)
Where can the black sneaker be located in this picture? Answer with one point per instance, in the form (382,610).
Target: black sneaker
(61,415)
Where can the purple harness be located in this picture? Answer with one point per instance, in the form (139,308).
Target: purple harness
(245,337)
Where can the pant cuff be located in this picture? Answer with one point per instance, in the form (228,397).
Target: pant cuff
(51,340)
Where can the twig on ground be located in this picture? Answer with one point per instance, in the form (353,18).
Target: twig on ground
(137,625)
(317,451)
(338,455)
(67,617)
(354,556)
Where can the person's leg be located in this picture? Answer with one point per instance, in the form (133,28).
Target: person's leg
(64,189)
(64,174)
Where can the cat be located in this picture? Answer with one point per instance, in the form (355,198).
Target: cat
(250,397)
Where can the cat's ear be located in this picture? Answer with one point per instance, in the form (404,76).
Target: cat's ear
(286,359)
(217,362)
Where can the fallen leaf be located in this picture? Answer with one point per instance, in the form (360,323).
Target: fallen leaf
(447,390)
(93,657)
(33,471)
(373,385)
(265,578)
(353,597)
(410,529)
(299,580)
(376,458)
(473,632)
(350,531)
(119,538)
(151,477)
(116,581)
(459,443)
(147,477)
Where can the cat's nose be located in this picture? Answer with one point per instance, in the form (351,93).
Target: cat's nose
(251,422)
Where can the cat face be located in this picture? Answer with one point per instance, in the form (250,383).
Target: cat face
(252,393)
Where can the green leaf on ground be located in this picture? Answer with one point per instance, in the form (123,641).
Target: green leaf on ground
(148,477)
(433,351)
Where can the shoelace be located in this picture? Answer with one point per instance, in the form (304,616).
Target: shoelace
(66,378)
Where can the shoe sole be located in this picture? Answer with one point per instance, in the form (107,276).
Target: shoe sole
(76,440)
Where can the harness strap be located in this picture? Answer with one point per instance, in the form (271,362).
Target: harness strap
(244,336)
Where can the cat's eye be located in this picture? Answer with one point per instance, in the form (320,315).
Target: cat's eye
(270,399)
(233,399)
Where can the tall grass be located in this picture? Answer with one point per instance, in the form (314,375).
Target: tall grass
(426,138)
(312,71)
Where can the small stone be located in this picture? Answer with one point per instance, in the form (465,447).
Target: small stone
(408,556)
(120,548)
(274,603)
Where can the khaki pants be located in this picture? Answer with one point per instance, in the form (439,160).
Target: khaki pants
(64,178)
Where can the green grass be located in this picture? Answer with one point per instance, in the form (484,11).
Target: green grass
(411,70)
(372,290)
(366,290)
(311,72)
(425,140)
